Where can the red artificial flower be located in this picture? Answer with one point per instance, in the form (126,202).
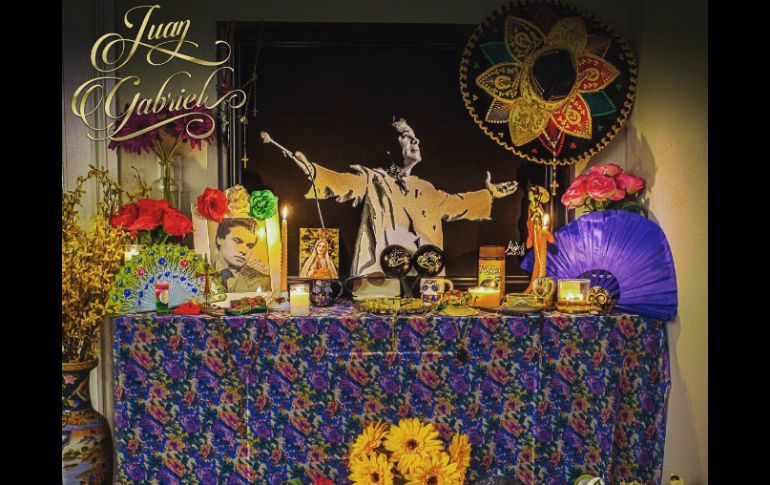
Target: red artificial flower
(176,223)
(150,214)
(601,188)
(189,308)
(212,204)
(630,183)
(126,216)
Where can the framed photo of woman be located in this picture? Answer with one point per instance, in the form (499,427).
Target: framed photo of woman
(319,256)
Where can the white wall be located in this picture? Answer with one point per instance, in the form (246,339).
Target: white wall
(94,17)
(665,142)
(669,146)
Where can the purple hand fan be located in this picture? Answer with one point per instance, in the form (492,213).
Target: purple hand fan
(621,251)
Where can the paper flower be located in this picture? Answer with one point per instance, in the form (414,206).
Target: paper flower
(238,201)
(263,204)
(212,204)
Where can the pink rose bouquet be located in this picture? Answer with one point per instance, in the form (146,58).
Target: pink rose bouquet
(604,187)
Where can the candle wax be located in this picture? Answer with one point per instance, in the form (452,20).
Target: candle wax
(299,302)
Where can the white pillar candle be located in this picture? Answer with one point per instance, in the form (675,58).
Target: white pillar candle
(299,300)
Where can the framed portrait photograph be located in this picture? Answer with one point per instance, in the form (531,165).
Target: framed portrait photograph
(319,255)
(244,251)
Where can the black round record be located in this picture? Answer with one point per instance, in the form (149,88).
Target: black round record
(396,261)
(428,260)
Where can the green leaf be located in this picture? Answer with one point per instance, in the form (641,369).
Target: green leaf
(631,206)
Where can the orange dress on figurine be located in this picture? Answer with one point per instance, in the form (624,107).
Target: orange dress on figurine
(539,234)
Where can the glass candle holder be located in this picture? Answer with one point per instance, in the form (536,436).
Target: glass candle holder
(483,297)
(131,251)
(299,299)
(573,292)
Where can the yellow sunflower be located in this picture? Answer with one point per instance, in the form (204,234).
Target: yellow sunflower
(369,440)
(460,452)
(435,470)
(371,469)
(412,442)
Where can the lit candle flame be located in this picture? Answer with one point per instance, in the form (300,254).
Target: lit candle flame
(546,220)
(284,212)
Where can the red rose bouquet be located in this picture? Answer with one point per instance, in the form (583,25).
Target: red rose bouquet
(604,187)
(152,221)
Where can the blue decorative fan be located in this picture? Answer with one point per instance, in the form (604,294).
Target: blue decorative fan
(181,267)
(623,252)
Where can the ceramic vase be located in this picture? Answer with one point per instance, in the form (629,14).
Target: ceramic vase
(86,446)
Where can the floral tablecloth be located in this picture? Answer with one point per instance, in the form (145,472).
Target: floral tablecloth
(236,400)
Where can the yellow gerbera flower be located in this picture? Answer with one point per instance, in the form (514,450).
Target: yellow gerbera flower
(436,470)
(412,442)
(373,469)
(460,452)
(369,440)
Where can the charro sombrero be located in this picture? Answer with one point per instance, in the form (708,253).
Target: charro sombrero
(547,81)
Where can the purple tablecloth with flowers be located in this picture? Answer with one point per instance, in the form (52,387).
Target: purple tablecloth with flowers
(199,400)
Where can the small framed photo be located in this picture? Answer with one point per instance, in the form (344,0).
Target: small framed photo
(319,254)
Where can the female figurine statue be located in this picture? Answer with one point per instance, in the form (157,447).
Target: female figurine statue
(539,234)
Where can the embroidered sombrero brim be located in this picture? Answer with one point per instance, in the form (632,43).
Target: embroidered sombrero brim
(548,82)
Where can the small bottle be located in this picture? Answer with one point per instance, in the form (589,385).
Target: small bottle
(161,297)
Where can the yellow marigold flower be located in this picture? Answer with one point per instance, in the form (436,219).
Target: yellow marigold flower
(369,440)
(460,452)
(435,470)
(410,443)
(372,469)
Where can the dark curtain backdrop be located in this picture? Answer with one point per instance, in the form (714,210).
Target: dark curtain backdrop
(332,90)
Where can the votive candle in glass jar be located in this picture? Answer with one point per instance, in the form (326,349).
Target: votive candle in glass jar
(483,297)
(131,251)
(299,299)
(573,291)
